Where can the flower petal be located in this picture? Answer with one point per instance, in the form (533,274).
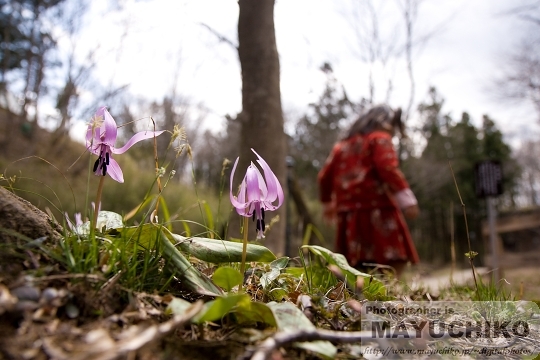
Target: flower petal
(236,203)
(272,184)
(108,129)
(135,139)
(242,207)
(113,169)
(252,183)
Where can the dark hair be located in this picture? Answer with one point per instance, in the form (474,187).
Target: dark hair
(379,117)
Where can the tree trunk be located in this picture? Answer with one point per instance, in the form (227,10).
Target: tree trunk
(261,117)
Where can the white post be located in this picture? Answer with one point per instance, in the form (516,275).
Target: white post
(493,237)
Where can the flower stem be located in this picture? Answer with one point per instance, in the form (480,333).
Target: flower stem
(98,203)
(244,251)
(160,189)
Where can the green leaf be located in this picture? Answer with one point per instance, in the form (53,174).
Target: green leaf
(254,312)
(373,289)
(146,236)
(209,217)
(220,251)
(209,250)
(178,306)
(191,277)
(268,277)
(218,308)
(340,261)
(278,294)
(166,213)
(290,318)
(227,277)
(280,263)
(276,266)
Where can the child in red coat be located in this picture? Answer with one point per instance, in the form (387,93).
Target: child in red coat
(363,187)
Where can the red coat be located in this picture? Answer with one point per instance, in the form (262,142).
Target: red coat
(360,176)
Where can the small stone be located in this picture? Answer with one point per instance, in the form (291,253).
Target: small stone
(26,293)
(72,311)
(49,294)
(26,305)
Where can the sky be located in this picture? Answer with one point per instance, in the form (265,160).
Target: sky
(157,46)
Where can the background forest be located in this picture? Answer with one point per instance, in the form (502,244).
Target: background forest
(48,89)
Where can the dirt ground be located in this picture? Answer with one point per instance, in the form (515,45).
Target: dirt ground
(523,282)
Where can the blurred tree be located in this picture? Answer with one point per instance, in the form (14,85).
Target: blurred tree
(527,157)
(317,131)
(209,159)
(27,40)
(460,145)
(520,79)
(495,148)
(13,40)
(261,118)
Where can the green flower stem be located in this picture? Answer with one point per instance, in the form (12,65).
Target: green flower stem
(244,251)
(98,202)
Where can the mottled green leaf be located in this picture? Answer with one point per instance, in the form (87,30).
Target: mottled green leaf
(268,277)
(191,277)
(280,263)
(209,250)
(290,319)
(220,251)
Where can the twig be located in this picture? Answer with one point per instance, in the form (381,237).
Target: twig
(471,256)
(137,341)
(68,276)
(284,338)
(220,37)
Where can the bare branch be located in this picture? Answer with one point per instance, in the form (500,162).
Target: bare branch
(220,37)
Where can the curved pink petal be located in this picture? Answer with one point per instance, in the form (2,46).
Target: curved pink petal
(272,183)
(242,207)
(108,129)
(135,139)
(113,169)
(252,184)
(262,185)
(237,203)
(279,194)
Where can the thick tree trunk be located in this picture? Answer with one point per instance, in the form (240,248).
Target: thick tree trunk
(261,117)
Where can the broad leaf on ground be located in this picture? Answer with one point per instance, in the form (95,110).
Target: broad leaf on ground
(290,318)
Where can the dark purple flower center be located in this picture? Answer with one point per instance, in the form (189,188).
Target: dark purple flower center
(100,166)
(259,225)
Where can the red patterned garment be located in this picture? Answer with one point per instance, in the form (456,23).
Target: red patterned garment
(360,177)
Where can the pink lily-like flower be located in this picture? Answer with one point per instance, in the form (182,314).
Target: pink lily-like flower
(100,139)
(257,194)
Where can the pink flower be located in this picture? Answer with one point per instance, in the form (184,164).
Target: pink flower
(257,193)
(100,139)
